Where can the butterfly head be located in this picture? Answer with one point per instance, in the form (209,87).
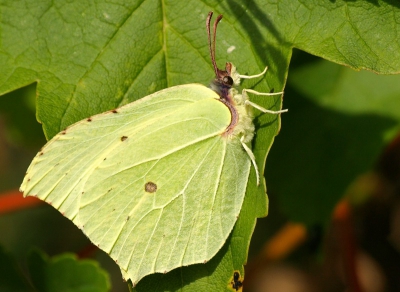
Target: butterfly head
(224,79)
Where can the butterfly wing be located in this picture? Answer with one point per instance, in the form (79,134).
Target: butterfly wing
(155,183)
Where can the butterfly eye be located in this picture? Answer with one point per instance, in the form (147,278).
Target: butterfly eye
(228,80)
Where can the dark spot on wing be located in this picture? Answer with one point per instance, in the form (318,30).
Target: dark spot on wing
(150,187)
(114,111)
(64,132)
(89,119)
(41,153)
(127,218)
(123,138)
(237,282)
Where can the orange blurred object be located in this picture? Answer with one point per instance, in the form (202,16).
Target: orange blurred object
(13,201)
(285,241)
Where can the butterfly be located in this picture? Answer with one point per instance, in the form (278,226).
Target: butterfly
(157,183)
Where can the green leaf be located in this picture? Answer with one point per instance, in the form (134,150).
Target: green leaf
(359,34)
(91,58)
(344,90)
(337,127)
(66,273)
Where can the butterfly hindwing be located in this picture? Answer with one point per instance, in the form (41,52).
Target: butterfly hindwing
(156,184)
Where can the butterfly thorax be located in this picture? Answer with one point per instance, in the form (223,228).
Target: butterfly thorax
(244,127)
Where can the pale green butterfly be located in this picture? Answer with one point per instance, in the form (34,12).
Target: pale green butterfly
(158,183)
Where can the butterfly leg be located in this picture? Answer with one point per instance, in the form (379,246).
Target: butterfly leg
(263,93)
(245,91)
(260,108)
(252,158)
(254,76)
(264,110)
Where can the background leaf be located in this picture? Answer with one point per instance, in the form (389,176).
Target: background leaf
(335,131)
(66,273)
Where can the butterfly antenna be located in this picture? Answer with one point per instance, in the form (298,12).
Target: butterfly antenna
(208,21)
(211,42)
(215,36)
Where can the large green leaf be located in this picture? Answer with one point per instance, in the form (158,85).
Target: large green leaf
(359,34)
(89,57)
